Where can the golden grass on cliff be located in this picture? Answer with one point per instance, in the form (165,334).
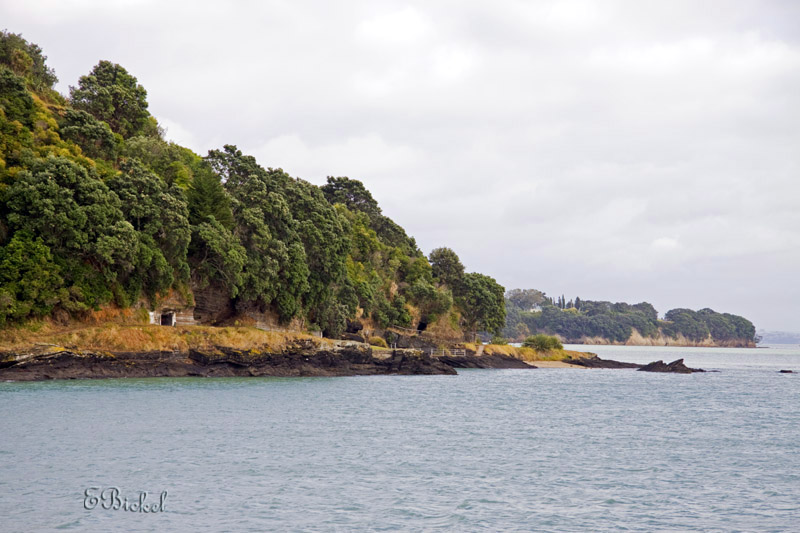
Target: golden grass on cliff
(526,354)
(138,338)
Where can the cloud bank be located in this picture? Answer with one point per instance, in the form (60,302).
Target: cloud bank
(623,150)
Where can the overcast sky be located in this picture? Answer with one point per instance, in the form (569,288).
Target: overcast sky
(615,150)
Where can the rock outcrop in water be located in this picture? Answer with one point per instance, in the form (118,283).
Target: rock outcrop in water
(595,362)
(676,367)
(484,361)
(299,359)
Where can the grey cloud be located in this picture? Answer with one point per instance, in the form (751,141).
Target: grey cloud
(629,150)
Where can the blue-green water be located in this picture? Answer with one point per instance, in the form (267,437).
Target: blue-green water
(502,450)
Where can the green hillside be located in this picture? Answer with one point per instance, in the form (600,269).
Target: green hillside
(98,210)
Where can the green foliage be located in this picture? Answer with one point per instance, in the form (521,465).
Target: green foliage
(26,60)
(616,321)
(525,299)
(208,199)
(215,254)
(353,195)
(93,136)
(276,272)
(97,206)
(30,282)
(160,217)
(378,341)
(431,301)
(15,101)
(111,94)
(447,267)
(543,343)
(699,325)
(174,164)
(480,299)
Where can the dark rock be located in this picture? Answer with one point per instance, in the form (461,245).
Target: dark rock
(676,367)
(354,326)
(483,361)
(303,358)
(213,304)
(787,371)
(596,362)
(353,337)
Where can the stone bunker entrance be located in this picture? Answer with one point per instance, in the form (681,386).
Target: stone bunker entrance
(167,318)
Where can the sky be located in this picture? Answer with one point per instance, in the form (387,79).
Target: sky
(617,150)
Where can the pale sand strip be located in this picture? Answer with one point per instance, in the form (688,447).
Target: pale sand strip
(553,364)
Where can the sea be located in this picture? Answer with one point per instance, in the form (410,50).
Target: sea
(486,450)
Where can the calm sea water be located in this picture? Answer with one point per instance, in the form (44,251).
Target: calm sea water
(502,450)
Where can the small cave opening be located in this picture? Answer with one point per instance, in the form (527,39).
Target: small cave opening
(422,326)
(168,318)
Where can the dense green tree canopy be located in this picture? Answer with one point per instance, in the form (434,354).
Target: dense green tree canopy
(617,321)
(111,94)
(446,266)
(481,300)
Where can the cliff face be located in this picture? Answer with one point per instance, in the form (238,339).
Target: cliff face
(637,339)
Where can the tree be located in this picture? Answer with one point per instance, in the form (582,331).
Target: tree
(352,194)
(79,218)
(447,267)
(93,136)
(30,282)
(208,199)
(26,59)
(160,216)
(15,101)
(111,94)
(276,271)
(481,303)
(526,299)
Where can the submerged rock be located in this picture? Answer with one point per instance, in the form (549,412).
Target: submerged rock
(676,367)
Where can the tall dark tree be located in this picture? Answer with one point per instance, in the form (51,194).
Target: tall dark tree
(447,267)
(482,304)
(111,94)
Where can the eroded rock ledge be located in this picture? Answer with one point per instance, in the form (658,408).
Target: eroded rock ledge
(299,359)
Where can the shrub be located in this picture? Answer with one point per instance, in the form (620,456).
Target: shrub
(378,341)
(542,342)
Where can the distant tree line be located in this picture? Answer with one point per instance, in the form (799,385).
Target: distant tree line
(530,311)
(97,208)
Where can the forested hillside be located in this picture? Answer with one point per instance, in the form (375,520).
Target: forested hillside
(98,209)
(531,311)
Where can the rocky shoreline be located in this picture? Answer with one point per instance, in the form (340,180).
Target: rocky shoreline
(300,359)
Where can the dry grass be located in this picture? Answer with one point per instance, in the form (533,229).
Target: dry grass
(526,354)
(113,337)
